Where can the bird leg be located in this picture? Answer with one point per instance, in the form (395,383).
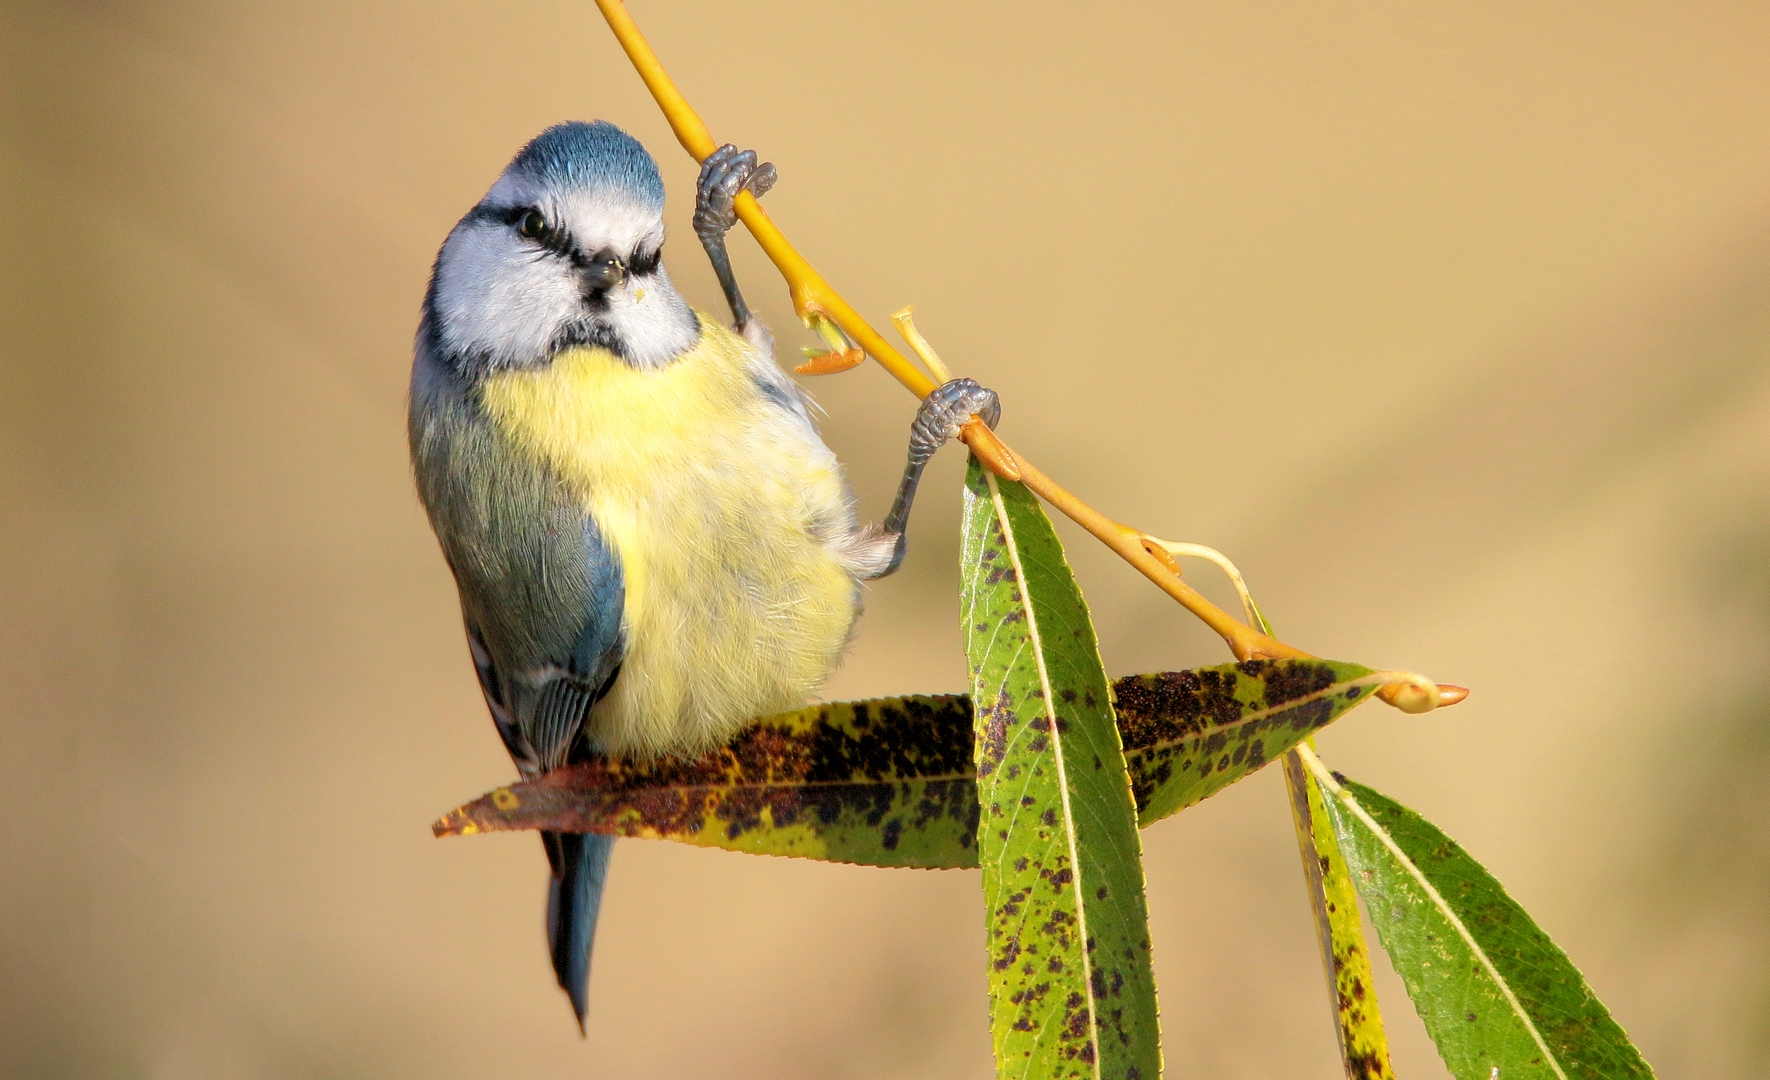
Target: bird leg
(726,172)
(941,415)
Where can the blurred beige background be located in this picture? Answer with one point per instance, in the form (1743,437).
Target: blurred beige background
(1451,325)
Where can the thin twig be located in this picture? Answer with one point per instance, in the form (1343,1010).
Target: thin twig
(813,296)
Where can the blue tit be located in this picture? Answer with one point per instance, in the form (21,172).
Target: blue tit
(651,542)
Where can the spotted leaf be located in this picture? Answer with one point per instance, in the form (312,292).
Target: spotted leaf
(1190,734)
(1071,987)
(886,783)
(890,781)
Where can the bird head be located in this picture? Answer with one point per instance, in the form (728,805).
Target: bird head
(562,251)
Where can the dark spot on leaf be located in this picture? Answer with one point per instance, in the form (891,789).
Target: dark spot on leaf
(1075,1023)
(1010,953)
(1288,680)
(995,734)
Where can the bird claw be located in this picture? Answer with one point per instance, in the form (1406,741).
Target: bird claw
(726,172)
(947,409)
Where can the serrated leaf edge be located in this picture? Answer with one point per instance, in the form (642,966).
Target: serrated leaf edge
(1326,779)
(1057,745)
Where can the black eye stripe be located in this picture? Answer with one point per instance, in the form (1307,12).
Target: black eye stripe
(641,263)
(550,236)
(509,215)
(557,240)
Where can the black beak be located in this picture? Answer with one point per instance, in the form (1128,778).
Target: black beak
(603,272)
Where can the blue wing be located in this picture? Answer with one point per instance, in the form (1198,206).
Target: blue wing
(539,713)
(541,730)
(542,595)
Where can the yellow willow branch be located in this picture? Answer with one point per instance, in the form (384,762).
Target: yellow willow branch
(812,295)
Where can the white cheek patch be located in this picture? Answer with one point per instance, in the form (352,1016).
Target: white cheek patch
(500,298)
(652,320)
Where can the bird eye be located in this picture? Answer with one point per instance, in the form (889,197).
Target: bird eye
(532,226)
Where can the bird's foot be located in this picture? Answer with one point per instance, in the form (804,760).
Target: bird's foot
(943,412)
(726,172)
(949,408)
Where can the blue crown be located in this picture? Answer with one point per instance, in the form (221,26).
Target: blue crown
(594,155)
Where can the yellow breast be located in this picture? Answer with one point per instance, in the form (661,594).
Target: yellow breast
(719,505)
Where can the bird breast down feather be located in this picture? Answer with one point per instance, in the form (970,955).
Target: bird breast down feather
(729,517)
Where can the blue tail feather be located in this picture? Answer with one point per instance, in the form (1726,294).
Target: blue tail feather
(574,897)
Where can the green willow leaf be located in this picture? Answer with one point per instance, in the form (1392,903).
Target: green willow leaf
(1364,1048)
(1498,997)
(887,782)
(1190,734)
(1072,990)
(890,781)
